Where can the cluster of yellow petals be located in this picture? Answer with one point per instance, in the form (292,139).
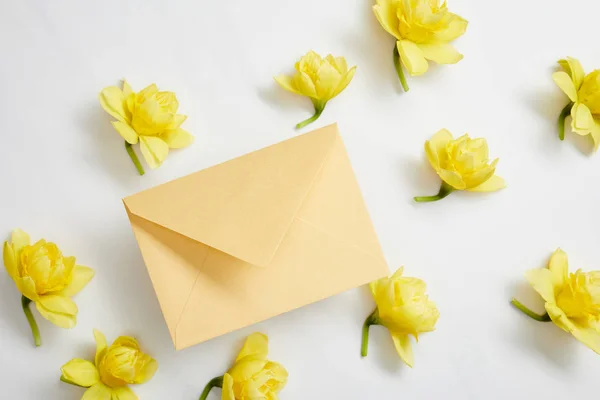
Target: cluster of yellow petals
(463,163)
(584,93)
(423,30)
(320,79)
(148,117)
(46,277)
(405,309)
(572,300)
(114,367)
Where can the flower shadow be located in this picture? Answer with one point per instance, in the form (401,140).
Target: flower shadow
(105,150)
(545,338)
(279,97)
(422,178)
(12,314)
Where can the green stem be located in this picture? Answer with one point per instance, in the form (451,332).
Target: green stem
(372,319)
(399,70)
(214,382)
(134,158)
(445,190)
(561,120)
(538,317)
(319,107)
(34,328)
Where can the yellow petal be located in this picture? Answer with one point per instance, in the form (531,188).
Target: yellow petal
(19,239)
(404,348)
(412,57)
(101,346)
(338,63)
(346,78)
(564,82)
(441,53)
(278,375)
(146,93)
(452,178)
(559,266)
(304,85)
(455,29)
(582,121)
(287,83)
(80,372)
(178,119)
(127,341)
(399,272)
(127,91)
(559,317)
(227,393)
(328,79)
(246,368)
(541,281)
(10,261)
(80,277)
(385,11)
(573,67)
(154,150)
(178,138)
(125,131)
(435,147)
(491,185)
(481,176)
(61,311)
(256,345)
(113,101)
(123,393)
(147,371)
(97,392)
(588,336)
(26,286)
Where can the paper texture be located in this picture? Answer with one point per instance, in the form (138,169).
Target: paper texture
(256,236)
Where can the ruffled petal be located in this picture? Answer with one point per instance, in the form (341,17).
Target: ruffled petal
(564,82)
(123,393)
(61,311)
(113,101)
(559,317)
(80,278)
(385,11)
(19,239)
(412,57)
(403,348)
(178,138)
(455,29)
(101,346)
(97,392)
(256,345)
(80,372)
(491,185)
(582,121)
(26,286)
(154,150)
(559,267)
(541,281)
(452,178)
(126,131)
(304,85)
(441,53)
(573,67)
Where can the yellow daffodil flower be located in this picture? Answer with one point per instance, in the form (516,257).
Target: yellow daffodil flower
(45,277)
(404,309)
(148,117)
(423,30)
(320,79)
(462,164)
(584,93)
(252,377)
(113,369)
(572,300)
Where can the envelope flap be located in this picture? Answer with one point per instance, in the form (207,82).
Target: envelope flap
(244,206)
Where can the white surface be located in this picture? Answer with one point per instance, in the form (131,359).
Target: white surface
(63,172)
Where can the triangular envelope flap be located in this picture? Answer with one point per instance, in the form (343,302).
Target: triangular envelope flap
(244,206)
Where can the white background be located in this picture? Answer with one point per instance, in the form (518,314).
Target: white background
(63,171)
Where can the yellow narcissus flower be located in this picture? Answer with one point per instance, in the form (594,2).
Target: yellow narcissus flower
(584,93)
(46,277)
(320,79)
(462,164)
(252,377)
(572,300)
(404,309)
(113,368)
(149,117)
(423,30)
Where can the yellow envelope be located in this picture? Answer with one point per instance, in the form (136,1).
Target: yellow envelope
(256,236)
